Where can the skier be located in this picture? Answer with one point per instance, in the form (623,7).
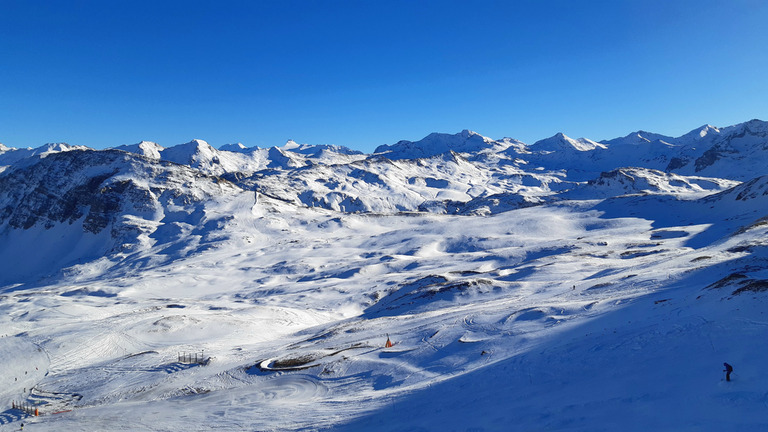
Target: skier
(728,369)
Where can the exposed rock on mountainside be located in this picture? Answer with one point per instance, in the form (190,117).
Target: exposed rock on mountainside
(133,193)
(117,201)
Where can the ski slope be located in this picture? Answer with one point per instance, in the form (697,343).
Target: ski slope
(551,287)
(560,317)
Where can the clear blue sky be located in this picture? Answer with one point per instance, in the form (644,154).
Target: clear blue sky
(364,73)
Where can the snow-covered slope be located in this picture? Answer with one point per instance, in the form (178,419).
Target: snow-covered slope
(566,285)
(77,206)
(625,181)
(738,150)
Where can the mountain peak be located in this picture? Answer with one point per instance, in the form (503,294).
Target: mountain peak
(754,126)
(150,149)
(466,133)
(145,148)
(49,148)
(640,137)
(562,142)
(437,143)
(700,133)
(195,153)
(290,145)
(235,147)
(196,146)
(199,143)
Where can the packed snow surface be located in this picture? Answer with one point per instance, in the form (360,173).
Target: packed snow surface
(190,288)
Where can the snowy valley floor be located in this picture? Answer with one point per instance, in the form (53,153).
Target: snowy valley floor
(578,316)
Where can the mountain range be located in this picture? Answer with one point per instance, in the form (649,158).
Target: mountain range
(132,190)
(567,284)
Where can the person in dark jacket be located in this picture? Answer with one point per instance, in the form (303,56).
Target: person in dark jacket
(728,369)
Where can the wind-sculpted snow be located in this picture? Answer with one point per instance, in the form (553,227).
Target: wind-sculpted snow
(453,283)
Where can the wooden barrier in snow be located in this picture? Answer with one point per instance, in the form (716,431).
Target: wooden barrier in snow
(26,407)
(192,358)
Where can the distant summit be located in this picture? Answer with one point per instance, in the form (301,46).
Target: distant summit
(638,138)
(236,147)
(434,144)
(145,148)
(699,134)
(560,143)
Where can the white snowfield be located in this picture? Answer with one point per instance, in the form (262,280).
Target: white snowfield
(520,293)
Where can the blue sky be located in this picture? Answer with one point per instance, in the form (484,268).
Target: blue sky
(365,73)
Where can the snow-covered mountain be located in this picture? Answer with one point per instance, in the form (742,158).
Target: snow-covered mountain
(76,206)
(638,138)
(145,148)
(627,181)
(738,150)
(436,144)
(466,174)
(10,156)
(568,284)
(236,147)
(560,143)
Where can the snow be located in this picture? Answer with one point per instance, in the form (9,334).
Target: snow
(517,298)
(434,144)
(11,156)
(561,143)
(639,138)
(236,147)
(700,133)
(145,148)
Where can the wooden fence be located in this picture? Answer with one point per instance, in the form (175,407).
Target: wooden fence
(192,358)
(26,407)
